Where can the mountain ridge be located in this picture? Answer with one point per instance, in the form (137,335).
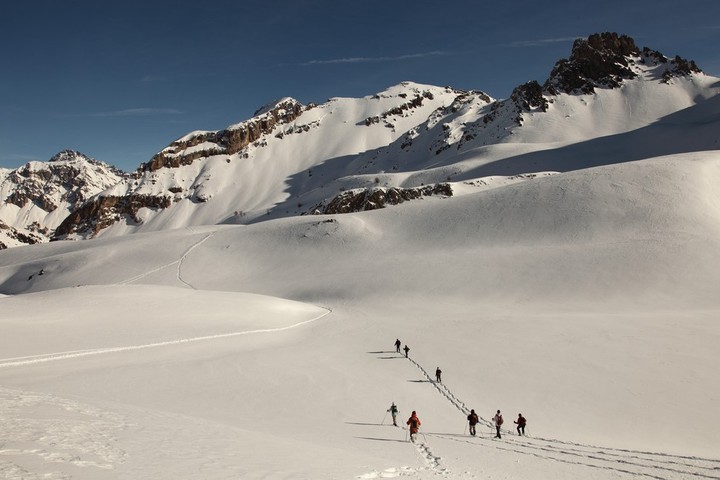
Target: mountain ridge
(289,158)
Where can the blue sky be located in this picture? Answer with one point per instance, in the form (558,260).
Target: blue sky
(119,81)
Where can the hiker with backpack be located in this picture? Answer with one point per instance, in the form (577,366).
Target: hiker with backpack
(407,349)
(498,420)
(438,374)
(521,422)
(472,421)
(414,424)
(397,345)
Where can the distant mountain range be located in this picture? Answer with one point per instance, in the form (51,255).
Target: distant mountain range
(609,102)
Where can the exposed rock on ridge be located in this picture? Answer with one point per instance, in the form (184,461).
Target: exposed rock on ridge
(103,211)
(17,237)
(224,142)
(375,198)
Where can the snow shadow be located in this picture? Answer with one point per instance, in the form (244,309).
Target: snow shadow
(381,439)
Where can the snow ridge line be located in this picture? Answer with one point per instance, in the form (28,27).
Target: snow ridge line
(51,357)
(623,456)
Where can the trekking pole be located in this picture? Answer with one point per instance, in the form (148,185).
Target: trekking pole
(383,420)
(406,433)
(465,428)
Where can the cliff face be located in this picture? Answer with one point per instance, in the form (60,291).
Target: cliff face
(103,211)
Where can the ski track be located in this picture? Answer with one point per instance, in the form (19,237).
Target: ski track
(52,357)
(636,463)
(177,262)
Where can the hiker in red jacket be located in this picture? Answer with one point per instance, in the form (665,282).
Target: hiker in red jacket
(414,423)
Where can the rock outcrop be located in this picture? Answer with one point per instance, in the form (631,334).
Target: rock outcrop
(103,211)
(359,200)
(186,150)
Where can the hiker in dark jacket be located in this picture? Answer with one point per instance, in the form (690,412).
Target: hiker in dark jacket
(521,422)
(397,345)
(472,421)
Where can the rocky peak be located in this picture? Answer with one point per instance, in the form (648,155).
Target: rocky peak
(605,60)
(65,182)
(69,177)
(601,60)
(70,155)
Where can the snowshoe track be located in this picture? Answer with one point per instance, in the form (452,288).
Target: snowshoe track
(636,463)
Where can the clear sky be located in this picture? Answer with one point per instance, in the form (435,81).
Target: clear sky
(120,80)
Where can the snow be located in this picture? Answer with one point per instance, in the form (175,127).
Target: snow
(573,276)
(586,300)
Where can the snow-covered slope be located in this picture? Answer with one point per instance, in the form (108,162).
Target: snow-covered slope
(586,300)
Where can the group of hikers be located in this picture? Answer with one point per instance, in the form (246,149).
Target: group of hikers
(414,422)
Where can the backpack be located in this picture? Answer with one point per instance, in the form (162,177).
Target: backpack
(499,420)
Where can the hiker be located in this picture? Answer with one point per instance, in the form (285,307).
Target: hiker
(397,345)
(394,412)
(498,422)
(472,421)
(407,349)
(414,423)
(438,373)
(521,422)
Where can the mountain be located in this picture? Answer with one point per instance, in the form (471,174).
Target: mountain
(408,142)
(38,196)
(555,254)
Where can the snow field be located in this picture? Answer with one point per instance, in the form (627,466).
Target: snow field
(585,300)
